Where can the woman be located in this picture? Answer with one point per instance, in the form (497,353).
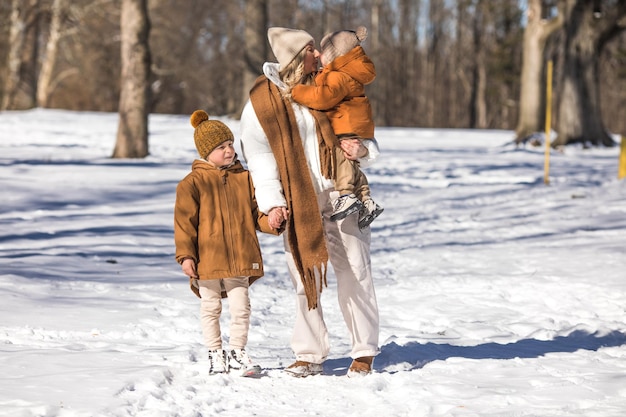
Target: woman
(289,152)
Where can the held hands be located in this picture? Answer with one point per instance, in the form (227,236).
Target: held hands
(277,216)
(353,149)
(189,268)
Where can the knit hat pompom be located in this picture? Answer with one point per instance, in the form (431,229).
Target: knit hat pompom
(361,33)
(340,43)
(198,117)
(208,134)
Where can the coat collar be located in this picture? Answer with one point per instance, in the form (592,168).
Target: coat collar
(270,70)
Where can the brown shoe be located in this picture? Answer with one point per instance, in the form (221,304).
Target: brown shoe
(361,366)
(302,369)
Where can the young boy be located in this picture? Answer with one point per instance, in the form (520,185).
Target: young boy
(215,223)
(340,91)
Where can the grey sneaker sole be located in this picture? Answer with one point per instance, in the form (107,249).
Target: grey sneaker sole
(217,372)
(254,371)
(367,220)
(343,214)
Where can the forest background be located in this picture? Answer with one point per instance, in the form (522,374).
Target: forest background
(440,63)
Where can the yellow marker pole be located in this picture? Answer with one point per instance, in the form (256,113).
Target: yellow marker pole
(546,165)
(621,173)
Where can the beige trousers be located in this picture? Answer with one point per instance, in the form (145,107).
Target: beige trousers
(349,251)
(350,179)
(211,310)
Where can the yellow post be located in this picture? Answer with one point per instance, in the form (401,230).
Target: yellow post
(546,164)
(621,173)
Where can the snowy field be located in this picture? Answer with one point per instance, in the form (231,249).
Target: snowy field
(499,296)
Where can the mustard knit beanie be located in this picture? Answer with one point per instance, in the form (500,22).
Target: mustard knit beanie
(340,43)
(287,44)
(208,134)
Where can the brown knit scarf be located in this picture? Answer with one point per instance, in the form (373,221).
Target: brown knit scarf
(305,230)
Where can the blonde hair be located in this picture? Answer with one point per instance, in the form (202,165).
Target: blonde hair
(293,74)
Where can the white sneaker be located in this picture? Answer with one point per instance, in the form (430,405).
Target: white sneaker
(239,360)
(302,369)
(368,213)
(344,206)
(217,362)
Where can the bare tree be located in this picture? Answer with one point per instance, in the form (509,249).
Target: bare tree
(612,73)
(434,61)
(47,82)
(459,66)
(255,53)
(478,103)
(589,26)
(407,58)
(23,15)
(375,26)
(428,65)
(16,41)
(132,133)
(52,46)
(375,92)
(538,30)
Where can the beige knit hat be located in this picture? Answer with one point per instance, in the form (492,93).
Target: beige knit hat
(287,43)
(208,134)
(340,43)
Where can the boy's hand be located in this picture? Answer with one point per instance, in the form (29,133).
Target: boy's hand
(189,268)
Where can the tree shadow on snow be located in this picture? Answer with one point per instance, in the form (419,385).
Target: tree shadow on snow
(417,355)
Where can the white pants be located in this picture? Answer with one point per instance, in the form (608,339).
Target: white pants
(349,252)
(211,310)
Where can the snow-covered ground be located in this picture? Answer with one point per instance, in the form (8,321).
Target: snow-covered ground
(499,295)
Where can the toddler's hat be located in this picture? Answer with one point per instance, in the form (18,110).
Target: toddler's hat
(340,43)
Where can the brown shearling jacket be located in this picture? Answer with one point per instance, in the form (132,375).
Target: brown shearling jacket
(215,222)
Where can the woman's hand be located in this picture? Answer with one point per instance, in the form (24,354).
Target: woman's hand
(353,149)
(277,216)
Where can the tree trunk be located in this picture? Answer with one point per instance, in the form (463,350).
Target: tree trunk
(531,106)
(478,104)
(52,47)
(17,35)
(457,107)
(580,118)
(374,33)
(433,61)
(406,71)
(256,22)
(132,133)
